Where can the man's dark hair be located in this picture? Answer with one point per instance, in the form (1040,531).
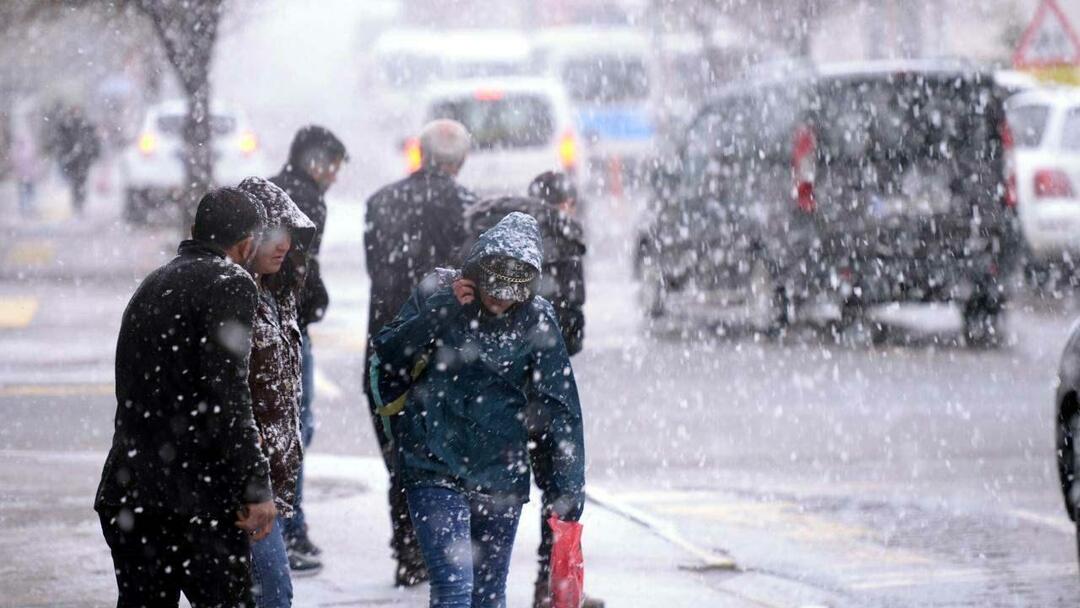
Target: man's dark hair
(553,187)
(227,216)
(315,138)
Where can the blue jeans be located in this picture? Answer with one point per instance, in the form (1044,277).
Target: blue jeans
(466,541)
(297,526)
(270,570)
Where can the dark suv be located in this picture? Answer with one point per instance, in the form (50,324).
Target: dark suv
(848,187)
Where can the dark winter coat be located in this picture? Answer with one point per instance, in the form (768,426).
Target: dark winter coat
(562,281)
(309,197)
(185,441)
(411,227)
(463,424)
(275,355)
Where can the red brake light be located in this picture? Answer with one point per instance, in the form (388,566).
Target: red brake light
(488,95)
(1052,183)
(1008,145)
(803,167)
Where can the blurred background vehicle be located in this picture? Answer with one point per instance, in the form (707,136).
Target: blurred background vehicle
(520,126)
(152,167)
(405,60)
(608,75)
(1046,128)
(850,185)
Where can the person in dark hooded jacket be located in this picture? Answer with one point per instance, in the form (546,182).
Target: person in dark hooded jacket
(412,227)
(473,350)
(552,200)
(275,377)
(185,487)
(315,157)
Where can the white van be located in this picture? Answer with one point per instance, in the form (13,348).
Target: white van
(1045,126)
(520,127)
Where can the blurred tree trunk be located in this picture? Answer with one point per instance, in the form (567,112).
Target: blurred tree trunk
(188,31)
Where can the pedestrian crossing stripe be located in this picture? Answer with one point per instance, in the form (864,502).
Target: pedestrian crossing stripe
(31,253)
(17,312)
(57,390)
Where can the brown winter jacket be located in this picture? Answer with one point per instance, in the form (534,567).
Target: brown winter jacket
(275,354)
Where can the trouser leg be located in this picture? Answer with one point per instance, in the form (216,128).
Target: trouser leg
(493,525)
(296,526)
(271,582)
(442,522)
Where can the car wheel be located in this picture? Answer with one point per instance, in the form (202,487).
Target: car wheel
(135,211)
(855,328)
(651,290)
(982,322)
(767,303)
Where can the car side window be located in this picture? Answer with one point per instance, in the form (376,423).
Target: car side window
(1028,124)
(1070,131)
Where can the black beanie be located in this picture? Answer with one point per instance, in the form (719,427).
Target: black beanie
(226,216)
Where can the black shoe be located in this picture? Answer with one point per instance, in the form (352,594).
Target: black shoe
(303,565)
(410,575)
(302,544)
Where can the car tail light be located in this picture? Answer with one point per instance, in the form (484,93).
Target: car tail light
(568,152)
(248,143)
(1008,144)
(1052,183)
(148,143)
(488,95)
(413,158)
(804,167)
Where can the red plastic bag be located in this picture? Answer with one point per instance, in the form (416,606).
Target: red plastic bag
(567,564)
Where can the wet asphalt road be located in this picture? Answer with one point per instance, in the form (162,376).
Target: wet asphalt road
(918,473)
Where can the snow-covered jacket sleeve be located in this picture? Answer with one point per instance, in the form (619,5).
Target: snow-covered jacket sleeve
(228,315)
(402,341)
(553,385)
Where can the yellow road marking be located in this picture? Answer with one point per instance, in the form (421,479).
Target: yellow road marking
(17,312)
(31,253)
(56,390)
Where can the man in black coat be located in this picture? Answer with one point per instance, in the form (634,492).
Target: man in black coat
(315,157)
(412,227)
(185,487)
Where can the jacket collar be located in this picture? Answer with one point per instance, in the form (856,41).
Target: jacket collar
(199,248)
(297,174)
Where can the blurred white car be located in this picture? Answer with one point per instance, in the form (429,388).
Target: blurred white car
(405,60)
(520,127)
(1045,125)
(152,167)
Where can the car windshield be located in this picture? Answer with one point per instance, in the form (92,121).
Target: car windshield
(606,79)
(903,116)
(1028,124)
(1070,132)
(501,121)
(174,124)
(406,70)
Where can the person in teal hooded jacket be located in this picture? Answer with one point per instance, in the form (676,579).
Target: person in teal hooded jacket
(469,351)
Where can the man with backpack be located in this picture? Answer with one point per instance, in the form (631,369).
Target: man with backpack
(551,200)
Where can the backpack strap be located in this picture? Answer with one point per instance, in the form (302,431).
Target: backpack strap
(386,410)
